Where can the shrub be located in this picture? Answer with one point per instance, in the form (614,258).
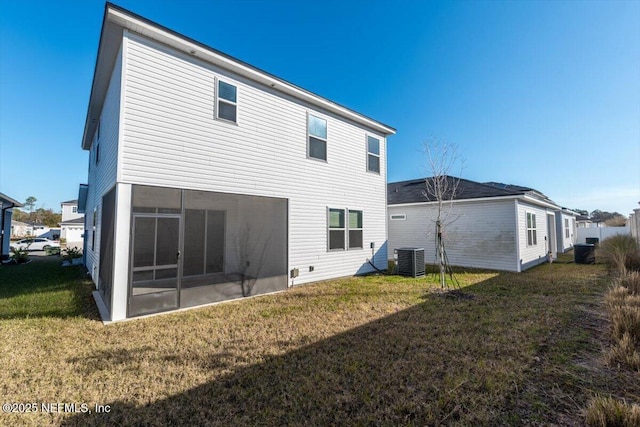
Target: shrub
(624,353)
(620,253)
(69,254)
(19,256)
(625,319)
(608,412)
(631,281)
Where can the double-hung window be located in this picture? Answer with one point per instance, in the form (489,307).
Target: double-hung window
(373,154)
(227,102)
(566,228)
(345,229)
(532,237)
(316,137)
(355,229)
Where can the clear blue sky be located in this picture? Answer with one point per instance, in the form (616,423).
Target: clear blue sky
(543,94)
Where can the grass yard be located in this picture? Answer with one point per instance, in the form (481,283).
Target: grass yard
(515,349)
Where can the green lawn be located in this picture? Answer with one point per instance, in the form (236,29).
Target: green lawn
(512,349)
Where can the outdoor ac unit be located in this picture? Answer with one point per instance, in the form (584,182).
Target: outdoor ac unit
(411,262)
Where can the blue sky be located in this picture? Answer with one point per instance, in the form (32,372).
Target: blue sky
(543,94)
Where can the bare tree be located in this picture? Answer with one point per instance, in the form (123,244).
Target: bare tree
(441,187)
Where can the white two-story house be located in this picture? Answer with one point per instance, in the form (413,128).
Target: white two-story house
(72,224)
(210,179)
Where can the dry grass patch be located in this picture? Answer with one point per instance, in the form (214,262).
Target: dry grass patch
(369,350)
(609,412)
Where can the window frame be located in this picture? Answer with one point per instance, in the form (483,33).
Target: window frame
(346,229)
(93,229)
(349,229)
(219,99)
(403,217)
(532,229)
(319,138)
(370,153)
(343,229)
(566,228)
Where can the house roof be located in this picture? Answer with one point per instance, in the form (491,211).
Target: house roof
(70,202)
(413,191)
(9,202)
(74,221)
(18,224)
(117,19)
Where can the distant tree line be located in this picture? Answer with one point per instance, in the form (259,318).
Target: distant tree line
(612,219)
(37,215)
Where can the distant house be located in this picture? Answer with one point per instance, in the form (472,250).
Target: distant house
(493,225)
(210,179)
(72,224)
(6,212)
(31,229)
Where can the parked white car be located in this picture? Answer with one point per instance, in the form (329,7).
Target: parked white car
(35,244)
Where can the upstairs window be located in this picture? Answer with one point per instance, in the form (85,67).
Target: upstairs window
(532,233)
(373,154)
(74,209)
(317,138)
(227,102)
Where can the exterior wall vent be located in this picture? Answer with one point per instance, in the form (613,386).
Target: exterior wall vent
(411,262)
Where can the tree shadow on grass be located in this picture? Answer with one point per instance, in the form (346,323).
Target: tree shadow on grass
(441,362)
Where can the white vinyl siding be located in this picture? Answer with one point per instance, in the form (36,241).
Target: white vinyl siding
(482,236)
(172,139)
(532,254)
(102,176)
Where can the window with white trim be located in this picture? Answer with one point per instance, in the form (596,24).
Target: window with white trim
(316,137)
(398,217)
(532,233)
(227,96)
(566,228)
(373,154)
(345,229)
(355,229)
(74,209)
(336,229)
(93,231)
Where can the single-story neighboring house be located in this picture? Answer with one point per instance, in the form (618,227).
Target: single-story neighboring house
(6,212)
(487,225)
(20,229)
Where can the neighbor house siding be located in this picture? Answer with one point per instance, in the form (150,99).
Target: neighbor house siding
(102,176)
(531,255)
(171,138)
(480,234)
(565,243)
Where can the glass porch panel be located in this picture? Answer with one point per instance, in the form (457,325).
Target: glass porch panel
(144,237)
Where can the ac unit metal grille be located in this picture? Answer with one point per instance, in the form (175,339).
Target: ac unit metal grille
(411,262)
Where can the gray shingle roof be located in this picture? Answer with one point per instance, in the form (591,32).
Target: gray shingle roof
(413,191)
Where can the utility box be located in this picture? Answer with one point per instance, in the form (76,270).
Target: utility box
(411,262)
(584,253)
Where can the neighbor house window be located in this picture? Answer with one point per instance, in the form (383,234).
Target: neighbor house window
(532,238)
(336,229)
(398,217)
(566,228)
(373,154)
(227,102)
(355,229)
(74,209)
(317,137)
